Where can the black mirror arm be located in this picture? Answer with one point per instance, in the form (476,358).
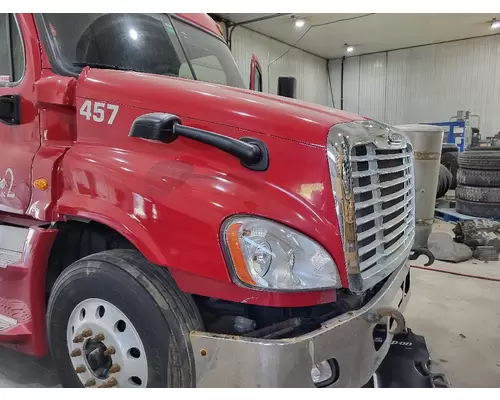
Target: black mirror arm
(247,152)
(167,128)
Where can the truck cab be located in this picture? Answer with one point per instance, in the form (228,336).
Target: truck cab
(161,225)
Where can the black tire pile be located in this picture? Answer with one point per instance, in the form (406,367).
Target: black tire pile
(448,169)
(478,182)
(445,181)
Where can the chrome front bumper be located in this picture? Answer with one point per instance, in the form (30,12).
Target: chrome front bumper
(233,361)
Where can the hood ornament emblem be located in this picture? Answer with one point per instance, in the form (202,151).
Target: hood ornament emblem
(395,138)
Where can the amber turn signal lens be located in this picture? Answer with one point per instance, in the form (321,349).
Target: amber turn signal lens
(41,184)
(233,242)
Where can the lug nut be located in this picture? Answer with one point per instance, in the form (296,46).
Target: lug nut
(80,369)
(109,351)
(109,383)
(76,353)
(87,333)
(98,338)
(78,339)
(90,382)
(115,368)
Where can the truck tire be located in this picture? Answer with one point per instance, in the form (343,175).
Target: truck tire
(449,160)
(478,194)
(449,148)
(113,319)
(444,181)
(472,177)
(476,209)
(488,159)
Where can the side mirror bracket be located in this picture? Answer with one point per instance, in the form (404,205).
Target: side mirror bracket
(166,128)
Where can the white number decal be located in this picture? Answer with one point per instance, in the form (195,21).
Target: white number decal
(85,109)
(114,111)
(98,111)
(3,184)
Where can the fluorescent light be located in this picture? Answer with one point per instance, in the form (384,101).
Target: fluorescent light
(299,23)
(495,24)
(349,49)
(133,34)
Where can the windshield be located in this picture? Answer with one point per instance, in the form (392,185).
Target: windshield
(149,43)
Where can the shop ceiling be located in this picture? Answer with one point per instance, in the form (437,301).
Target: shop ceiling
(328,34)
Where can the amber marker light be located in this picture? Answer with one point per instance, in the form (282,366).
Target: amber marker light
(41,184)
(237,257)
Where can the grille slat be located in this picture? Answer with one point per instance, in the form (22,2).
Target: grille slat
(395,233)
(366,249)
(393,261)
(396,220)
(363,204)
(389,170)
(379,157)
(366,234)
(396,245)
(398,206)
(384,213)
(383,186)
(363,265)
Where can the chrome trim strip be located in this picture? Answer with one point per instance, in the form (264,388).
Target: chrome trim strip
(342,138)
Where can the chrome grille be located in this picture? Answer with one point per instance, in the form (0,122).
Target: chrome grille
(384,205)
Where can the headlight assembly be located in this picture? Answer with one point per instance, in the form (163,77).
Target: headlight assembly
(269,255)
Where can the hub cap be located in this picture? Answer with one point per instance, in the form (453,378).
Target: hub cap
(104,347)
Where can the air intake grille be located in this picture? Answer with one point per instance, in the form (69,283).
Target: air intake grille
(384,203)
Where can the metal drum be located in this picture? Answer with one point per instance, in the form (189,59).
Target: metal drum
(427,141)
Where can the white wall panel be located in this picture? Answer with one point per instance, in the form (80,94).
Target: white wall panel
(372,86)
(427,84)
(334,67)
(351,84)
(310,71)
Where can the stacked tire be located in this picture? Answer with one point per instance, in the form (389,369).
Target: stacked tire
(478,182)
(449,158)
(445,181)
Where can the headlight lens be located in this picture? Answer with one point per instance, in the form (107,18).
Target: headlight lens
(270,255)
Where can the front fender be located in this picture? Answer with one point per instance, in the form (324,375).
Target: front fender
(171,200)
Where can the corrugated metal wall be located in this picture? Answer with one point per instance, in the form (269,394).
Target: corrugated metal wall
(309,70)
(334,70)
(425,84)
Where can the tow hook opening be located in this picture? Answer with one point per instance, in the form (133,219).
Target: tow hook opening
(325,373)
(396,320)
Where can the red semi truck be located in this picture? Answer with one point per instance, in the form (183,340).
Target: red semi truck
(164,226)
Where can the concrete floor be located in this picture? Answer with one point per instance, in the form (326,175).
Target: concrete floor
(459,317)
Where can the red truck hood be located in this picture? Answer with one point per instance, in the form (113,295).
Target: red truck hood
(242,109)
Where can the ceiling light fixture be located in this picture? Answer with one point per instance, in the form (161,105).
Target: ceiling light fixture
(349,49)
(133,34)
(495,24)
(299,23)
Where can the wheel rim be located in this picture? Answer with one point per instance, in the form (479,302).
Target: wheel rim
(104,346)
